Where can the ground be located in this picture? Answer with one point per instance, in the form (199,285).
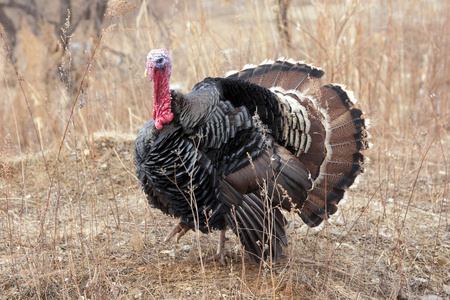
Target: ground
(100,239)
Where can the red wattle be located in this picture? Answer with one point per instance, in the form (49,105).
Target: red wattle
(162,111)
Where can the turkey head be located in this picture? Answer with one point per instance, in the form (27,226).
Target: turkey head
(158,69)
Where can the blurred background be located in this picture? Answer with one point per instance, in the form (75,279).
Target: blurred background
(393,54)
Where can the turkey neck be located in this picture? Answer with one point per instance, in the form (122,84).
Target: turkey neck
(162,112)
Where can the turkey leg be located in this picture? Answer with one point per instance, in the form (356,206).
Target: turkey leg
(221,254)
(179,229)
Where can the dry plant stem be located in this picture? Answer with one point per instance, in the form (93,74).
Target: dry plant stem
(364,258)
(414,186)
(80,88)
(328,267)
(123,165)
(116,212)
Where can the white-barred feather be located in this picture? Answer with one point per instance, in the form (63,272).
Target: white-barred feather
(267,62)
(296,109)
(249,66)
(230,73)
(350,94)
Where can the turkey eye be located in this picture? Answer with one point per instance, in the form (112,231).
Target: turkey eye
(160,61)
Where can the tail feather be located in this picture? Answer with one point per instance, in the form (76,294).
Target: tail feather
(351,165)
(327,193)
(313,212)
(339,181)
(310,218)
(285,73)
(347,124)
(350,145)
(301,77)
(335,99)
(318,206)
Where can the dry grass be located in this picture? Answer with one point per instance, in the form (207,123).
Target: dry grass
(74,224)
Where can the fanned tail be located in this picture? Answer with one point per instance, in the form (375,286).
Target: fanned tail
(319,126)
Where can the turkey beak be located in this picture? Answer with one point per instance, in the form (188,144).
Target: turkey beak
(146,72)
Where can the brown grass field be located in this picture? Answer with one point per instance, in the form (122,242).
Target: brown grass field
(74,223)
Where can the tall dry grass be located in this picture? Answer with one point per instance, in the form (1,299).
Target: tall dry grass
(391,53)
(73,225)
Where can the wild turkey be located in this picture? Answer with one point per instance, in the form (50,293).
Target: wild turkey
(236,150)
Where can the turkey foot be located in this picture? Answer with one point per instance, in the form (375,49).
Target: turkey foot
(221,254)
(180,228)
